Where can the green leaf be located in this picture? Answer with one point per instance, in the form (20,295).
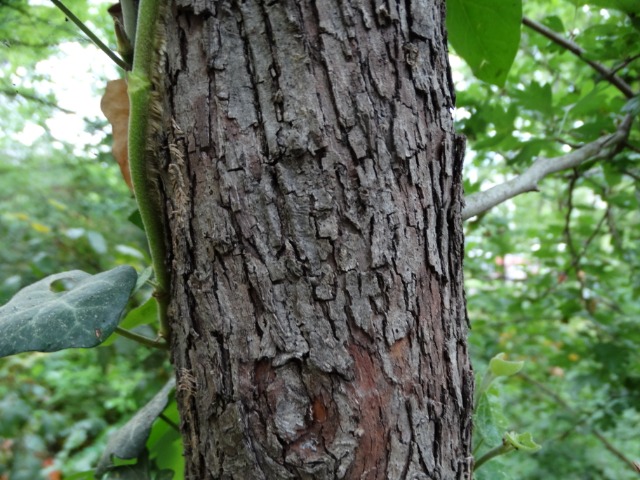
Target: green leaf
(554,23)
(88,475)
(67,310)
(528,152)
(172,456)
(486,34)
(143,315)
(493,470)
(504,368)
(487,420)
(136,219)
(522,441)
(165,442)
(592,102)
(144,277)
(536,97)
(130,440)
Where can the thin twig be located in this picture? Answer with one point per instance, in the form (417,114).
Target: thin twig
(170,422)
(625,62)
(121,63)
(34,98)
(606,73)
(578,256)
(161,344)
(629,173)
(16,42)
(632,147)
(541,167)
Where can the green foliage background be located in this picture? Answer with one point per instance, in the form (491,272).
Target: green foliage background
(63,206)
(553,278)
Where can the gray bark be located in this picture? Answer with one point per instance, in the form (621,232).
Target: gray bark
(313,188)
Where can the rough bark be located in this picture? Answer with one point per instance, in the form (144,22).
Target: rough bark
(313,202)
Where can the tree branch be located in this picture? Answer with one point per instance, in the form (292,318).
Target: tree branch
(13,93)
(606,73)
(97,42)
(528,181)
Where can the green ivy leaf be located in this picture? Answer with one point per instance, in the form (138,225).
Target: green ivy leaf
(130,440)
(67,310)
(486,34)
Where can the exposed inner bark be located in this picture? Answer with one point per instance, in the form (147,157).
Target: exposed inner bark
(313,201)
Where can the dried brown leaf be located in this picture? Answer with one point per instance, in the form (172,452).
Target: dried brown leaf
(115,106)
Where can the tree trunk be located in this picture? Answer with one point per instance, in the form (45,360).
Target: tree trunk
(313,188)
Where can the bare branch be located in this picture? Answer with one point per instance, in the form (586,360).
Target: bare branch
(13,93)
(97,42)
(528,181)
(606,73)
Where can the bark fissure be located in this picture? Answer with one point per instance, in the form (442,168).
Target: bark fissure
(314,211)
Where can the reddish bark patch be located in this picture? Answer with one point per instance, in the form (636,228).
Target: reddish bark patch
(263,375)
(373,397)
(319,411)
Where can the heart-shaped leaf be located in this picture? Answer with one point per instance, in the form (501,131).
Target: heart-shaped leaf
(67,310)
(486,34)
(504,368)
(130,440)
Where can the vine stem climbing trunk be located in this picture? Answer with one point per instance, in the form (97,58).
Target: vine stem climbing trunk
(313,193)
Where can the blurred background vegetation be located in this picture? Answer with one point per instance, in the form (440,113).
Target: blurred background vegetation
(63,206)
(553,278)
